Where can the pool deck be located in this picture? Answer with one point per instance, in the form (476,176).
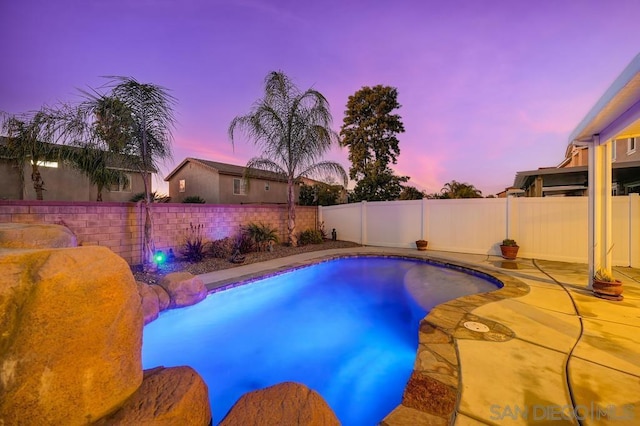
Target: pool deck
(553,350)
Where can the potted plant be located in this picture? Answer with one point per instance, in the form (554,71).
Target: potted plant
(421,244)
(605,286)
(509,249)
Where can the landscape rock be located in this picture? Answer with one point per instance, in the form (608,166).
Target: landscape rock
(168,396)
(286,403)
(70,347)
(149,301)
(183,288)
(29,236)
(163,297)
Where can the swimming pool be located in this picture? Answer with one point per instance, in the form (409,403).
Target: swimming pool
(346,328)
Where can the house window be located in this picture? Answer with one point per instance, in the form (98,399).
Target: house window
(41,163)
(239,186)
(614,150)
(182,185)
(123,184)
(266,186)
(631,145)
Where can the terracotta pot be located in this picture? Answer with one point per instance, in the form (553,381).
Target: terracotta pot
(422,244)
(608,289)
(509,252)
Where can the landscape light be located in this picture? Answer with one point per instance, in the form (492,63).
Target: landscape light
(159,258)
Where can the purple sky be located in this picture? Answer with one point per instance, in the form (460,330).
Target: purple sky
(487,88)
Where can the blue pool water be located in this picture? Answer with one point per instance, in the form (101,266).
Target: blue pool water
(346,328)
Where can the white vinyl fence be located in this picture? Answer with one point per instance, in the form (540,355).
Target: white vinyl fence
(550,228)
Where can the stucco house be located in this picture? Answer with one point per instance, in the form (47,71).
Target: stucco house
(570,177)
(222,183)
(63,182)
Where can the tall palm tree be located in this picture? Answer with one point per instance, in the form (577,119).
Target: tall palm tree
(148,117)
(135,120)
(293,129)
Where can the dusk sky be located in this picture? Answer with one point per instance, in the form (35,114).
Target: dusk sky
(487,88)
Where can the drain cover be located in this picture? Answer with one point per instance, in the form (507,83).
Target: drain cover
(476,326)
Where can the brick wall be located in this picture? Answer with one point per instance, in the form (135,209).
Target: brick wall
(120,226)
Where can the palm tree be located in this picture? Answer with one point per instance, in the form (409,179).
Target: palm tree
(293,130)
(30,139)
(135,120)
(456,189)
(149,119)
(93,162)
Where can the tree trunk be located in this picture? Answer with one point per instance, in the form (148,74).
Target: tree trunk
(99,198)
(38,183)
(149,247)
(291,210)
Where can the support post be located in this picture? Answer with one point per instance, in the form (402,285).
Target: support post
(600,239)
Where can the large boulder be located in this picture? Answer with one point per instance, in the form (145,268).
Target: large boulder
(163,297)
(70,346)
(183,288)
(286,403)
(23,235)
(149,301)
(168,396)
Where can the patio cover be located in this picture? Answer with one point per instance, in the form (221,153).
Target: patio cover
(616,115)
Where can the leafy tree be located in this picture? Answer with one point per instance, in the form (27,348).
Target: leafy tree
(320,194)
(293,128)
(384,186)
(456,189)
(31,139)
(369,131)
(411,193)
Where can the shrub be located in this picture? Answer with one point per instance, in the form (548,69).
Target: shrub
(310,236)
(193,249)
(242,242)
(261,235)
(223,248)
(194,199)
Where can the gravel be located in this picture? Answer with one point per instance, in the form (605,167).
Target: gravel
(210,264)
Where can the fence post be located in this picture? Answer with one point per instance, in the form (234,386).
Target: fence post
(512,217)
(634,230)
(424,217)
(363,223)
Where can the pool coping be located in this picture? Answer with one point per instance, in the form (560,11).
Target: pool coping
(432,393)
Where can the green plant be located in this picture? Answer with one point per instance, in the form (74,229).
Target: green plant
(242,242)
(310,236)
(603,274)
(194,199)
(262,235)
(510,243)
(194,247)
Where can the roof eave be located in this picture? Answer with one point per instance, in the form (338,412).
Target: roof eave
(612,105)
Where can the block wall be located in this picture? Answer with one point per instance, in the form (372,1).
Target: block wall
(120,226)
